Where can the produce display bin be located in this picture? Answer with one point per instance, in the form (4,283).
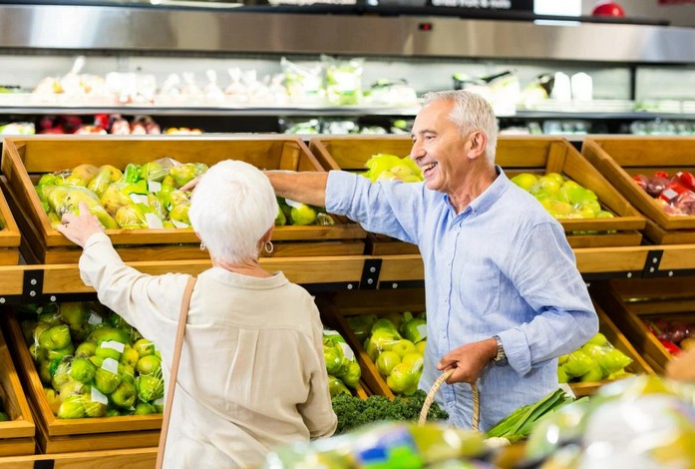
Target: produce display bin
(138,458)
(25,159)
(17,434)
(608,328)
(56,435)
(379,303)
(629,304)
(537,155)
(10,238)
(621,158)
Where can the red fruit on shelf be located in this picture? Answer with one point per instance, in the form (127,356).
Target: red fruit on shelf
(672,348)
(608,9)
(661,174)
(677,331)
(687,179)
(641,180)
(656,185)
(672,190)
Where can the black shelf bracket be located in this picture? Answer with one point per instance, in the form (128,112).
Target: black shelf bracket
(370,274)
(651,265)
(399,284)
(32,286)
(591,277)
(44,464)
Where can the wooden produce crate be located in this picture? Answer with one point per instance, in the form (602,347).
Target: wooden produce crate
(621,158)
(629,303)
(10,237)
(56,435)
(25,159)
(17,434)
(378,302)
(140,458)
(537,155)
(608,328)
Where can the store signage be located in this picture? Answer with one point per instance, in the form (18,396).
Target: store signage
(508,5)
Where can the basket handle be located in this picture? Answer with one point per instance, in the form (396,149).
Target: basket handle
(475,423)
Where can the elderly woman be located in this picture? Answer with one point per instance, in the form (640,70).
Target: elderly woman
(252,371)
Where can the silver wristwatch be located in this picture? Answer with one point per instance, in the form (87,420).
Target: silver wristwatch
(501,357)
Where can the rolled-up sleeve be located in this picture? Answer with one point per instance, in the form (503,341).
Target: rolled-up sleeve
(387,207)
(143,300)
(548,280)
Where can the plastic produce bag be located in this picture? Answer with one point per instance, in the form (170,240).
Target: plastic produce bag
(340,359)
(304,83)
(343,80)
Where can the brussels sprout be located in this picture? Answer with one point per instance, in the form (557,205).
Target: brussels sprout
(148,365)
(124,395)
(149,387)
(106,382)
(55,338)
(72,408)
(83,370)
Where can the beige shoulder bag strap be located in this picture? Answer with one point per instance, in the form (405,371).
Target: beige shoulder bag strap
(180,332)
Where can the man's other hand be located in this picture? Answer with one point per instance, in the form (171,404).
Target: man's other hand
(468,361)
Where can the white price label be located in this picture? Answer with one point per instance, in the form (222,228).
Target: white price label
(293,204)
(330,332)
(94,319)
(180,224)
(110,365)
(347,351)
(99,397)
(139,199)
(153,221)
(159,401)
(422,330)
(113,345)
(154,186)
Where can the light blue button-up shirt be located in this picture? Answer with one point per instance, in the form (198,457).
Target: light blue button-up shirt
(501,267)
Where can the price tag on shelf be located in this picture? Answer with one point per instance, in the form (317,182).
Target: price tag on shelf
(140,199)
(94,319)
(422,330)
(180,224)
(347,351)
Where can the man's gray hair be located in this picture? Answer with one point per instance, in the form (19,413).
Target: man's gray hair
(232,208)
(471,112)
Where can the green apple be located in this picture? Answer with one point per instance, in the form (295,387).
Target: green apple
(386,362)
(598,339)
(525,180)
(562,375)
(613,360)
(148,365)
(352,376)
(106,382)
(129,356)
(85,350)
(557,177)
(144,347)
(106,352)
(53,399)
(124,395)
(402,379)
(403,347)
(143,408)
(415,360)
(71,408)
(593,375)
(578,363)
(83,370)
(421,346)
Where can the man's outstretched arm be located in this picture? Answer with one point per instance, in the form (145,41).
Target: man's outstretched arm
(305,187)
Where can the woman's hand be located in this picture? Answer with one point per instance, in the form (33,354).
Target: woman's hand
(468,361)
(78,228)
(190,185)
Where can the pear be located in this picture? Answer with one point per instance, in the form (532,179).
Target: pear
(112,199)
(82,175)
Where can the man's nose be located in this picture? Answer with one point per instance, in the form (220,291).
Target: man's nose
(417,151)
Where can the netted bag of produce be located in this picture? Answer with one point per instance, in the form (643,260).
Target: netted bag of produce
(398,360)
(342,367)
(304,82)
(386,167)
(291,212)
(596,360)
(343,80)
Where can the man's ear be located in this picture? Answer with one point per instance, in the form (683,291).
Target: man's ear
(477,144)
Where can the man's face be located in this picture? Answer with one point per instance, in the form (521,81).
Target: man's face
(439,149)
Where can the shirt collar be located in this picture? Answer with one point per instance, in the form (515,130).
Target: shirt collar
(489,195)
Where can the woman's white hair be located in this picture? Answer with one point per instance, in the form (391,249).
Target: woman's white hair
(232,208)
(471,112)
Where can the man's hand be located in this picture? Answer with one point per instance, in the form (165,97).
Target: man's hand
(468,361)
(190,185)
(78,229)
